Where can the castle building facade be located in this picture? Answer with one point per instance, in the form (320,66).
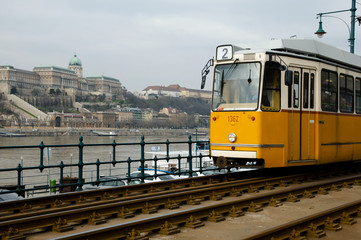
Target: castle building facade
(68,80)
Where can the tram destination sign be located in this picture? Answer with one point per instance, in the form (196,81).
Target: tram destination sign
(224,52)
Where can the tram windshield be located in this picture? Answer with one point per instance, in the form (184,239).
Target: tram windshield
(236,86)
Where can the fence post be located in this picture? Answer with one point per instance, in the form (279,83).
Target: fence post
(142,144)
(190,155)
(114,145)
(167,157)
(155,166)
(80,163)
(41,166)
(179,164)
(98,172)
(128,175)
(19,189)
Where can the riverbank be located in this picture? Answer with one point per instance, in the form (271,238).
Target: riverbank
(44,131)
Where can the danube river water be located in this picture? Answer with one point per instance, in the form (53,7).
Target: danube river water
(30,157)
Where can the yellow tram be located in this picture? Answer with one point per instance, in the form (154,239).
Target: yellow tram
(286,102)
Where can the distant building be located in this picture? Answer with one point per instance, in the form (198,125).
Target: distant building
(69,80)
(22,80)
(124,116)
(174,90)
(108,119)
(52,77)
(170,91)
(168,111)
(106,85)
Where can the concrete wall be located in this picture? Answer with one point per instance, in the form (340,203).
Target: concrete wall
(14,100)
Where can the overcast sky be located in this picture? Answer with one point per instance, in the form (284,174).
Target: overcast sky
(154,42)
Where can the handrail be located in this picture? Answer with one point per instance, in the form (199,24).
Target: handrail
(79,181)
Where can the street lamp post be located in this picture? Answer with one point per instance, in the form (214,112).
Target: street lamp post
(320,32)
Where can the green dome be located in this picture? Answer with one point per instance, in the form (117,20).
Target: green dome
(75,61)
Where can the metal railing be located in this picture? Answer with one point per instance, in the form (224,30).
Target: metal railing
(162,163)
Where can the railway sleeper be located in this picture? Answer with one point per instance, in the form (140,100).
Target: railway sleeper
(215,217)
(347,218)
(193,222)
(254,207)
(96,219)
(171,204)
(61,225)
(274,203)
(149,208)
(292,198)
(125,213)
(235,192)
(269,186)
(193,201)
(235,212)
(315,230)
(252,189)
(332,225)
(216,197)
(335,188)
(168,229)
(308,194)
(13,234)
(137,235)
(347,184)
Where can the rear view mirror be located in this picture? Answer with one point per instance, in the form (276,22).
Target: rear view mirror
(288,78)
(205,71)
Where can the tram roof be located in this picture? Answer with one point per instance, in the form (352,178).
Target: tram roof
(308,47)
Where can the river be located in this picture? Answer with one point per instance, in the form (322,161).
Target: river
(30,157)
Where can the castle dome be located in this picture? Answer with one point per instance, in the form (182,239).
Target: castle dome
(75,61)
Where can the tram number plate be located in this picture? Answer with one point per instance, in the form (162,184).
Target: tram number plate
(232,118)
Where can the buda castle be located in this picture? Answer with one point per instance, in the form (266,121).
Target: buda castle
(69,81)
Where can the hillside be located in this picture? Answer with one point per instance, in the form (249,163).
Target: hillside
(188,105)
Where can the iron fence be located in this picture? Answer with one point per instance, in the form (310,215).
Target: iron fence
(191,160)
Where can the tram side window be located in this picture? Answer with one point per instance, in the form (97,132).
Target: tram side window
(296,84)
(290,96)
(358,95)
(271,88)
(346,93)
(305,89)
(312,91)
(328,90)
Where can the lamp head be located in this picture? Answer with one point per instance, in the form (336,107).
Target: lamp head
(320,32)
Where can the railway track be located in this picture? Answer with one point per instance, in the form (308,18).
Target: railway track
(169,223)
(20,224)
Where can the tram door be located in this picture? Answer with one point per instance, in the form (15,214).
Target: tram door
(301,102)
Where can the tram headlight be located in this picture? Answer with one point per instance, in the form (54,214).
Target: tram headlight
(232,137)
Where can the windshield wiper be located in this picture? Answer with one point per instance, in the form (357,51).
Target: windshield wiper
(232,68)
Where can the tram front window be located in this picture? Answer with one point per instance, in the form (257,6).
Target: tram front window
(236,86)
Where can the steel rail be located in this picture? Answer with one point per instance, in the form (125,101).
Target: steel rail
(78,198)
(238,186)
(97,214)
(199,192)
(314,225)
(169,223)
(56,201)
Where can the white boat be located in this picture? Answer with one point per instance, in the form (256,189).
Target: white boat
(173,164)
(98,133)
(10,134)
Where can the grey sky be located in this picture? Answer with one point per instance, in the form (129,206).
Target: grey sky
(154,42)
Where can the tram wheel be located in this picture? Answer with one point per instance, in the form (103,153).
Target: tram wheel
(221,162)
